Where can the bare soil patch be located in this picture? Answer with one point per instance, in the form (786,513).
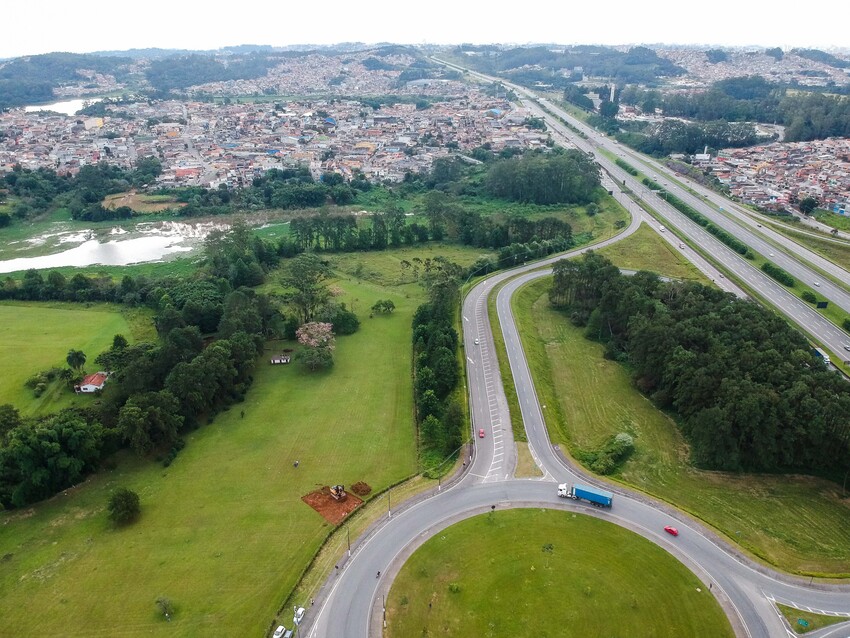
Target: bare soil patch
(361,489)
(328,507)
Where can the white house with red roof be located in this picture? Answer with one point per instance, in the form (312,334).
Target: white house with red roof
(92,382)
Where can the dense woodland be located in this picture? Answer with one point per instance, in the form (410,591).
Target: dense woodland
(743,385)
(806,114)
(547,65)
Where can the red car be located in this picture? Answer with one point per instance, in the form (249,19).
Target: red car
(481,433)
(671,530)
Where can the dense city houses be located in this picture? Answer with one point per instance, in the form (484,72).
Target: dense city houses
(202,141)
(775,175)
(207,143)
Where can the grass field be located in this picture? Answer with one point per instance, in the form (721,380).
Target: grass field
(838,253)
(841,222)
(37,337)
(223,532)
(518,573)
(798,524)
(645,250)
(141,203)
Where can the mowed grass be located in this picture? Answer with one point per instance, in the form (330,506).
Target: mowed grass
(645,250)
(799,524)
(37,337)
(548,574)
(223,531)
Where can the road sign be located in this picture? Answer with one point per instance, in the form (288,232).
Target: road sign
(823,304)
(803,623)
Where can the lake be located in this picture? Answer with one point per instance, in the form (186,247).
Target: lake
(68,107)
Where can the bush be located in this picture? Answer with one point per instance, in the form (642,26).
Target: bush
(123,506)
(809,296)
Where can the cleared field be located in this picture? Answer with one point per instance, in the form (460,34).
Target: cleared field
(141,203)
(796,523)
(519,573)
(223,532)
(37,337)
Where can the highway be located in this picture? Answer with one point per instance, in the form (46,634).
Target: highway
(351,605)
(798,311)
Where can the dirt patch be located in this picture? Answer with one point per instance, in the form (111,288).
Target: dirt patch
(360,488)
(331,510)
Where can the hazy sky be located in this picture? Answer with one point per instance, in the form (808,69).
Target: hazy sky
(40,26)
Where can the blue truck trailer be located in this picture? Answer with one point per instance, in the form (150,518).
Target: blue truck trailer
(597,497)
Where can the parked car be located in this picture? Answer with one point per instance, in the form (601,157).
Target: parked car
(299,616)
(278,633)
(671,530)
(481,433)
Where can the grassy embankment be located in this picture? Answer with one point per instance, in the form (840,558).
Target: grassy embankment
(798,524)
(223,532)
(518,573)
(588,229)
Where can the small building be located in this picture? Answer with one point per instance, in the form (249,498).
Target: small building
(91,383)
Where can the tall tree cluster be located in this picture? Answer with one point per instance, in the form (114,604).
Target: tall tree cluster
(436,371)
(564,178)
(746,389)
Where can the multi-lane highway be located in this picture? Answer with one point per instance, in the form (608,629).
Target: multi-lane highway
(352,605)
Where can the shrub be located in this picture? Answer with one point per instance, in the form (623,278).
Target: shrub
(809,296)
(123,506)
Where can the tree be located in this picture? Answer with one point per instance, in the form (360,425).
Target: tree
(10,418)
(306,274)
(319,342)
(807,205)
(149,420)
(76,359)
(123,506)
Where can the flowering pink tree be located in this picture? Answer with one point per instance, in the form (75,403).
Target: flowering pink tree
(319,342)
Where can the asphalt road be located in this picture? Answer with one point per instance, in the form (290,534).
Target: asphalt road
(354,605)
(355,597)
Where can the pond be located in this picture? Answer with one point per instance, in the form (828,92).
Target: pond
(146,242)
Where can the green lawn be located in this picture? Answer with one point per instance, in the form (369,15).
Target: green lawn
(223,532)
(492,576)
(37,337)
(645,250)
(798,524)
